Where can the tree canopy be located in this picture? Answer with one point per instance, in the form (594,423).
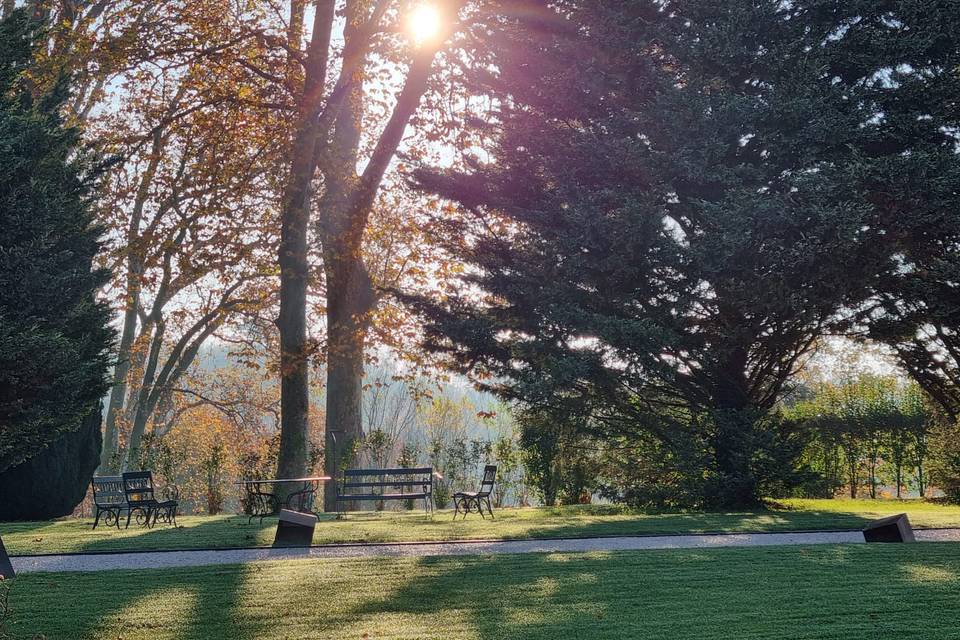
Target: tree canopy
(54,335)
(680,199)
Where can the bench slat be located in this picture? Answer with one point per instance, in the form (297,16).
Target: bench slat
(385,496)
(388,483)
(388,472)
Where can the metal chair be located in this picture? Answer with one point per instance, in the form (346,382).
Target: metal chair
(467,501)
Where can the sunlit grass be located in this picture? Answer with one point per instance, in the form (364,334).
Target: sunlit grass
(72,535)
(841,592)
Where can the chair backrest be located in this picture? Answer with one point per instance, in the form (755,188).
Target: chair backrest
(138,486)
(108,491)
(489,477)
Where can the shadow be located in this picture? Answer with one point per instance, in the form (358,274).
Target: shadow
(855,591)
(701,522)
(117,604)
(193,533)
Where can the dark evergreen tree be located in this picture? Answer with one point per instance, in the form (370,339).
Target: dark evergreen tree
(682,198)
(903,58)
(54,336)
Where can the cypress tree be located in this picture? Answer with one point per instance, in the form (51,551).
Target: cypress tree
(54,335)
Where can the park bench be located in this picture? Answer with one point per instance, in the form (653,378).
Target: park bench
(466,501)
(141,500)
(109,500)
(386,484)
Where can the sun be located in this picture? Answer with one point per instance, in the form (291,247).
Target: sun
(424,22)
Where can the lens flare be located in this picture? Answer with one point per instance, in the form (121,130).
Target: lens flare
(424,22)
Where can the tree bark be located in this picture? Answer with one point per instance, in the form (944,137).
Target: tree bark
(351,299)
(109,461)
(109,453)
(292,259)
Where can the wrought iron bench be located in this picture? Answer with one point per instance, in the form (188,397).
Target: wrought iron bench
(139,490)
(466,501)
(109,500)
(386,484)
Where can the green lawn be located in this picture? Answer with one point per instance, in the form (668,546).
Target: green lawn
(842,592)
(71,535)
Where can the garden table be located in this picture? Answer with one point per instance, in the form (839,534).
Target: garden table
(263,502)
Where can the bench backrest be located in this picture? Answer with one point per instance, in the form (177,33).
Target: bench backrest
(108,491)
(372,481)
(489,478)
(138,486)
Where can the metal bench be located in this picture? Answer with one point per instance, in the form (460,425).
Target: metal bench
(466,501)
(139,491)
(109,500)
(386,484)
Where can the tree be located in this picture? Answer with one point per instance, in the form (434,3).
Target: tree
(54,335)
(880,424)
(328,140)
(671,217)
(914,182)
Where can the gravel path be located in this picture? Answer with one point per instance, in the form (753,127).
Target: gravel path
(163,559)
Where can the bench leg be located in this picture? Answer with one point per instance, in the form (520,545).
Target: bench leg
(489,509)
(96,520)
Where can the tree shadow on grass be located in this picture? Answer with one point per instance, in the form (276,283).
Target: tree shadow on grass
(815,592)
(687,523)
(854,591)
(115,604)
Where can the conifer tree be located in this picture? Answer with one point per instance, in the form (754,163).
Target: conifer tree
(682,198)
(54,335)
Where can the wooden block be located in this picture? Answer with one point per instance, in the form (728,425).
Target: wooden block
(295,529)
(6,568)
(893,529)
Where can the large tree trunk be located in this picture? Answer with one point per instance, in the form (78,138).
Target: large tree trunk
(294,268)
(348,312)
(346,207)
(349,292)
(734,425)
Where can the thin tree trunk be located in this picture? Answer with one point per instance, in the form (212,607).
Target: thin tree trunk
(111,439)
(142,408)
(109,454)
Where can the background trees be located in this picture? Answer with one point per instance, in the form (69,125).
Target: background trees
(54,335)
(869,432)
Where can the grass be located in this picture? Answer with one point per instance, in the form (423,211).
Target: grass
(72,535)
(823,592)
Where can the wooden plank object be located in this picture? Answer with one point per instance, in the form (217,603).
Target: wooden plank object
(295,529)
(6,568)
(892,529)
